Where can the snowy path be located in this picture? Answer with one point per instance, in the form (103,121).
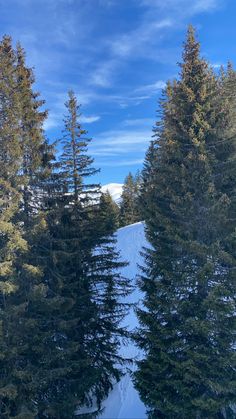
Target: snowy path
(123,402)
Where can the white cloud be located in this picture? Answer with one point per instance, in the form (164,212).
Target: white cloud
(216,65)
(151,89)
(182,5)
(138,122)
(104,152)
(114,148)
(205,5)
(134,41)
(102,75)
(117,163)
(55,120)
(124,137)
(52,121)
(89,119)
(125,101)
(147,35)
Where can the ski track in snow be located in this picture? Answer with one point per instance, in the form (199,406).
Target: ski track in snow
(123,401)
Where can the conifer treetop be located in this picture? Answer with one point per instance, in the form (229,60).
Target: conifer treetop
(193,67)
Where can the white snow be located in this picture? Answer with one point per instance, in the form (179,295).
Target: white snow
(115,190)
(123,402)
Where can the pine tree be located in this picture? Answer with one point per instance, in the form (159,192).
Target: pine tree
(129,207)
(9,130)
(108,219)
(222,144)
(188,324)
(11,241)
(24,323)
(12,247)
(32,140)
(82,273)
(12,244)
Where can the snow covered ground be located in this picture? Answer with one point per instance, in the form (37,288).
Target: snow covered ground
(123,402)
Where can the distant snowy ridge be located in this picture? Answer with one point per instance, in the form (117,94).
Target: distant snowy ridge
(115,190)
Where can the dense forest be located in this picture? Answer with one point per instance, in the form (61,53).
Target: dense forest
(61,290)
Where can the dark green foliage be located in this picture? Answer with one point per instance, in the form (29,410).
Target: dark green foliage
(11,241)
(108,214)
(188,324)
(22,292)
(81,271)
(10,157)
(129,207)
(60,286)
(75,162)
(31,137)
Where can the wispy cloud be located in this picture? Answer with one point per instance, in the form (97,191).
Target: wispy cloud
(151,88)
(121,163)
(132,43)
(102,75)
(114,148)
(206,5)
(148,122)
(146,36)
(196,5)
(89,119)
(173,12)
(55,120)
(52,121)
(216,65)
(124,137)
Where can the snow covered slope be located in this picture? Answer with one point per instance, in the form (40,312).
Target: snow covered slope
(123,401)
(115,190)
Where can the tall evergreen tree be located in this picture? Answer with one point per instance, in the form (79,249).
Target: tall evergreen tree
(12,243)
(222,144)
(9,124)
(82,271)
(24,331)
(129,207)
(188,324)
(32,140)
(108,217)
(12,246)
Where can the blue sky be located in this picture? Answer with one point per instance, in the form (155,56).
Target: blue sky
(116,55)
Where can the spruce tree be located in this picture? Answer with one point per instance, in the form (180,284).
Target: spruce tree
(222,144)
(11,241)
(129,207)
(13,246)
(25,334)
(188,323)
(32,140)
(108,217)
(9,127)
(81,270)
